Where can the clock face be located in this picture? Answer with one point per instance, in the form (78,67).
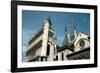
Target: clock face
(82,43)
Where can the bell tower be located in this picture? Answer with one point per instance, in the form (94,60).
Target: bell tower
(48,41)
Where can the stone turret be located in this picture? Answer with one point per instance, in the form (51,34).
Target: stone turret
(47,25)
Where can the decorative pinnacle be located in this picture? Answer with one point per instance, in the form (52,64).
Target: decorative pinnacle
(49,20)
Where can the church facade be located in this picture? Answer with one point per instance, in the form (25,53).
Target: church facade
(43,45)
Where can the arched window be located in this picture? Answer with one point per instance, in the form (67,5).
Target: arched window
(62,56)
(82,44)
(56,58)
(48,50)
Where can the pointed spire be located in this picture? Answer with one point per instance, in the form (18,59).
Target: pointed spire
(65,28)
(73,24)
(73,31)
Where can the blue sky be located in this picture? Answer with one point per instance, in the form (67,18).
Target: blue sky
(33,20)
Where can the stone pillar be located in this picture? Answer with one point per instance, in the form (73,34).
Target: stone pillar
(66,54)
(59,56)
(43,58)
(39,59)
(45,39)
(51,52)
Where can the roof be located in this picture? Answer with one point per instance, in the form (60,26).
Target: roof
(83,50)
(36,35)
(40,31)
(65,47)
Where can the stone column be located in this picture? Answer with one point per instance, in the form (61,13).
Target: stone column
(59,56)
(45,39)
(51,52)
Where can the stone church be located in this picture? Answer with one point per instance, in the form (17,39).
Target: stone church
(43,45)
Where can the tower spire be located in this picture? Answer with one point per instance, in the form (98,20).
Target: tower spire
(73,27)
(66,38)
(65,28)
(73,33)
(73,24)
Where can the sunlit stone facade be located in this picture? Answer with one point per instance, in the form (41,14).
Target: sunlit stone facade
(43,46)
